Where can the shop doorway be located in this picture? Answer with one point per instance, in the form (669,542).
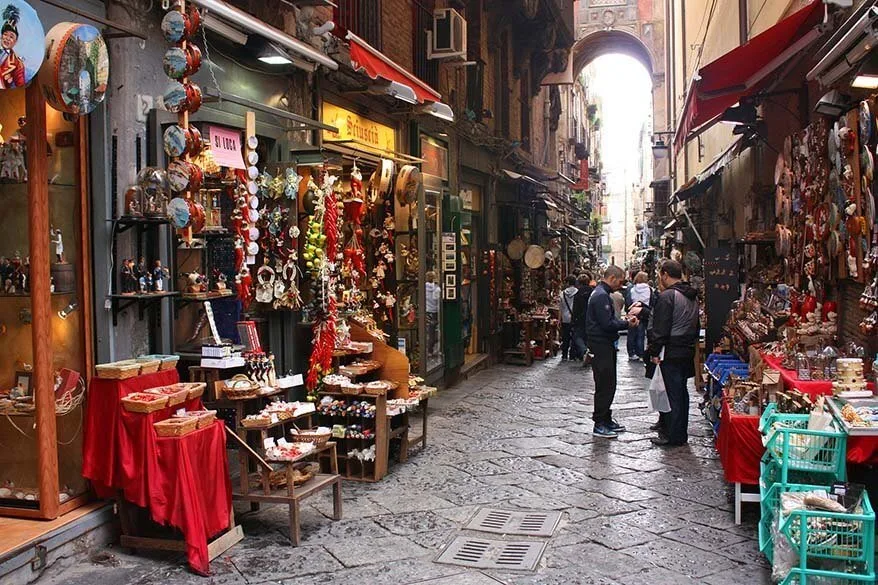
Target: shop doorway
(471,286)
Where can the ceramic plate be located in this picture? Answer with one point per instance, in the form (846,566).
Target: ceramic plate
(28,47)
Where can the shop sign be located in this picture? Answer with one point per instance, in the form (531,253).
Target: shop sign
(353,127)
(225,146)
(471,197)
(435,158)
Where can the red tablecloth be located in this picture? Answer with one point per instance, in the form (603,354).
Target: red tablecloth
(184,482)
(791,380)
(739,444)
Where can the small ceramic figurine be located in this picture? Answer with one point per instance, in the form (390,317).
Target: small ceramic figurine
(159,274)
(58,240)
(126,277)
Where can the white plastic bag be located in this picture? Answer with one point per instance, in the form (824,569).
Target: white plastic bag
(658,395)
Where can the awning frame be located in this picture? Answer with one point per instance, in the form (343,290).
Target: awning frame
(352,38)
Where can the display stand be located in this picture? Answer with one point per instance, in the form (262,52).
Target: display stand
(351,467)
(289,495)
(523,355)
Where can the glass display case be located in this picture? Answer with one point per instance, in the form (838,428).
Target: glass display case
(45,304)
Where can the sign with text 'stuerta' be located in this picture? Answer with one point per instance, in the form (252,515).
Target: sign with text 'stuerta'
(353,127)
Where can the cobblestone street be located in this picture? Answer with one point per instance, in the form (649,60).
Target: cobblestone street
(511,438)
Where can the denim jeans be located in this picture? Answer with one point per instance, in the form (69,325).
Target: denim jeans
(636,339)
(676,422)
(578,343)
(566,338)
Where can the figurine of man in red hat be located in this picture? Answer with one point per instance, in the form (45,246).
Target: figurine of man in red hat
(11,65)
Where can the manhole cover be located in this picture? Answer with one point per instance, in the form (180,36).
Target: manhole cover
(492,554)
(517,523)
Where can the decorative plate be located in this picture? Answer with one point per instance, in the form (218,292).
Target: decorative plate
(175,98)
(866,125)
(178,175)
(175,63)
(174,27)
(179,213)
(26,39)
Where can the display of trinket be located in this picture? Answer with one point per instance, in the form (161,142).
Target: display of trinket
(155,191)
(284,451)
(260,368)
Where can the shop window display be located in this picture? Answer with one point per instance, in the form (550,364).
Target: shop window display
(19,469)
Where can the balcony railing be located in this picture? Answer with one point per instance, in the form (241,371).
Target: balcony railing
(361,17)
(422,20)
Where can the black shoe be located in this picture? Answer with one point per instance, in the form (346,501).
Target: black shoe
(617,427)
(664,442)
(656,427)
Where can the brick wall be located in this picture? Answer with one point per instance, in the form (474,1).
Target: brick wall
(396,31)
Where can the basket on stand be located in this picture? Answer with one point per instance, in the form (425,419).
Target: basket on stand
(176,426)
(148,365)
(118,370)
(239,387)
(144,403)
(312,436)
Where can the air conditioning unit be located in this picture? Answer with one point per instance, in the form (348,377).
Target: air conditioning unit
(447,40)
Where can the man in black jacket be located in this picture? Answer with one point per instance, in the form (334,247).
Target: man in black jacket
(580,304)
(602,329)
(675,326)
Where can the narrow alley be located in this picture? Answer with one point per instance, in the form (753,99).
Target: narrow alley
(513,439)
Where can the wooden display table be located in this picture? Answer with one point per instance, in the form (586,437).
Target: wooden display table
(290,494)
(521,355)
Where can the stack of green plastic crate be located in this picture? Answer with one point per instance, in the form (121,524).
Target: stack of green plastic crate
(832,548)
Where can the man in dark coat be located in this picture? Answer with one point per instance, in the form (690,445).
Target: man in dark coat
(674,330)
(602,329)
(580,304)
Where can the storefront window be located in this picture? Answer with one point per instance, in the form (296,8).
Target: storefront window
(19,476)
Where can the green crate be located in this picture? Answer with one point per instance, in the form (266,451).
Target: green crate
(790,443)
(832,536)
(814,577)
(770,500)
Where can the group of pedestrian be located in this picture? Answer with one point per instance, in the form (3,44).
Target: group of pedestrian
(662,330)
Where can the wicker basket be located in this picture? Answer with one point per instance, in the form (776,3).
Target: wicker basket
(196,389)
(148,365)
(175,394)
(386,388)
(144,403)
(118,370)
(166,362)
(311,436)
(254,423)
(239,388)
(176,427)
(205,418)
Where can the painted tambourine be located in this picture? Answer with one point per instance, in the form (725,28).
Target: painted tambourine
(179,213)
(77,69)
(534,257)
(515,249)
(866,123)
(407,185)
(385,176)
(24,44)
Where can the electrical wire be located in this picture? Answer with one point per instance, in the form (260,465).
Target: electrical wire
(697,61)
(755,18)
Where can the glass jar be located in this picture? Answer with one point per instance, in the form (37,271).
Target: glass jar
(153,182)
(803,366)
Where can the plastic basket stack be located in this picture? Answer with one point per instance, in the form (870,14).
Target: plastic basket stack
(831,547)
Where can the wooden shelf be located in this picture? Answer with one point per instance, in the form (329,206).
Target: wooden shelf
(276,424)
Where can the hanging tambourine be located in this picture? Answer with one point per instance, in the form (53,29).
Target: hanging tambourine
(24,44)
(179,213)
(515,249)
(385,176)
(407,185)
(77,69)
(534,257)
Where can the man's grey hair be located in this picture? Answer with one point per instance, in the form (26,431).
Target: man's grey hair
(614,272)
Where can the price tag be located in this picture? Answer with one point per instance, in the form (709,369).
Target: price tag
(268,443)
(181,412)
(225,146)
(274,418)
(282,442)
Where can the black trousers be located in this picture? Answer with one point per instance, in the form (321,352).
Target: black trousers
(604,368)
(566,338)
(676,423)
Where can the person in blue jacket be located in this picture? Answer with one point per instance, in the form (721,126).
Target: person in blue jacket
(603,329)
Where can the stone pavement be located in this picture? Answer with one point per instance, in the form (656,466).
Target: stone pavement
(514,438)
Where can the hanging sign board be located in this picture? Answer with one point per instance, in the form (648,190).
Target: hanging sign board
(22,43)
(356,128)
(225,146)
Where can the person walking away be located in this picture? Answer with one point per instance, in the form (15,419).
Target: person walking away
(433,294)
(602,330)
(674,331)
(640,293)
(579,349)
(566,306)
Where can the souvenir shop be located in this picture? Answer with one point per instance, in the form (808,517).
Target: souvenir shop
(46,337)
(528,267)
(279,262)
(790,377)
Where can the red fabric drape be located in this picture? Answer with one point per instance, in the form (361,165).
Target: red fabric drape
(739,444)
(791,380)
(183,482)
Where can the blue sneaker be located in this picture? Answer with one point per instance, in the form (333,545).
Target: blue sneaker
(605,432)
(616,427)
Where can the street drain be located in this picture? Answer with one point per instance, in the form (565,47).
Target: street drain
(517,523)
(492,554)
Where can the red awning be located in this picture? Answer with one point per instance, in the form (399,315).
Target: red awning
(742,71)
(375,64)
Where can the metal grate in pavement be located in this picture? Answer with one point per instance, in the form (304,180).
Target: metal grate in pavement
(517,523)
(492,554)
